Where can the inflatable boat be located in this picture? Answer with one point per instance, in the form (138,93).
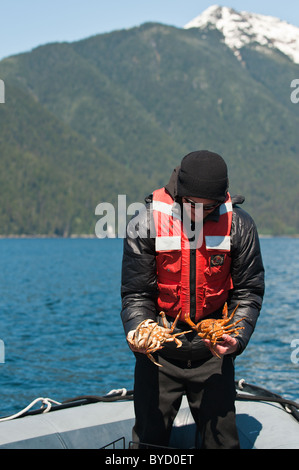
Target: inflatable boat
(265,420)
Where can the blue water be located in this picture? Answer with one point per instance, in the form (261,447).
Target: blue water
(60,321)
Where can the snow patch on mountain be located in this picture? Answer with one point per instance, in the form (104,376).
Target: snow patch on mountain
(242,28)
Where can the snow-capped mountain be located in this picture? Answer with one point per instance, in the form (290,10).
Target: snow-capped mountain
(242,28)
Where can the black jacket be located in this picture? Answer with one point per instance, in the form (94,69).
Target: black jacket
(139,284)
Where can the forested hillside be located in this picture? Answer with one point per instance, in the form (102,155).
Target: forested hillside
(115,113)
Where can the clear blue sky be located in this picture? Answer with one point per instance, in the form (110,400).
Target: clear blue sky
(26,24)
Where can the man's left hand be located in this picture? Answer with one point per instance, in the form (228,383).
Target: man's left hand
(228,345)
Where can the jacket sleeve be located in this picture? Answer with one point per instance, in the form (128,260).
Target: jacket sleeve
(139,283)
(247,274)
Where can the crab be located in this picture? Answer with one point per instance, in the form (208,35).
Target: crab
(150,336)
(213,330)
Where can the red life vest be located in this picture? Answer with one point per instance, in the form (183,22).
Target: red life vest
(200,291)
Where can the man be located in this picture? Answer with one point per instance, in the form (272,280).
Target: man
(180,269)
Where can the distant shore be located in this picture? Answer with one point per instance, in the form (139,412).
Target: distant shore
(48,236)
(91,236)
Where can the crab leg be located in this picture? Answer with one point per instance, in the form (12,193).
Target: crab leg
(153,360)
(174,323)
(230,328)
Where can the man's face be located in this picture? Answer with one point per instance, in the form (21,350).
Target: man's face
(208,206)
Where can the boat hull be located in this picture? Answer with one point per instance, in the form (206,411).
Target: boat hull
(261,425)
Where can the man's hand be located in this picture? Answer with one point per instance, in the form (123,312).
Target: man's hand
(229,345)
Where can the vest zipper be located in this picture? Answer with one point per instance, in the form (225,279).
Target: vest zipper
(192,284)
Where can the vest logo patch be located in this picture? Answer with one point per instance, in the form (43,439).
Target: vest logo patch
(217,260)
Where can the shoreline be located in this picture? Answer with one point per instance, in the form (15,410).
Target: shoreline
(93,236)
(40,236)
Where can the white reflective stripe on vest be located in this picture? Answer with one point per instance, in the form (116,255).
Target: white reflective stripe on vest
(165,208)
(217,243)
(168,243)
(226,207)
